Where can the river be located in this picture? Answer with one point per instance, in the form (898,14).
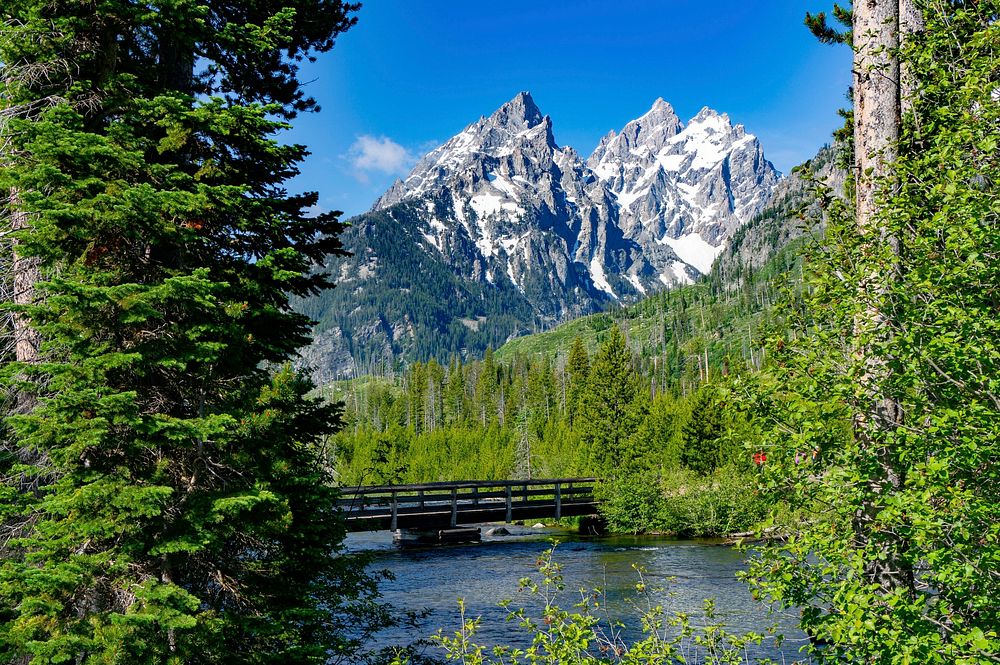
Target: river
(484,574)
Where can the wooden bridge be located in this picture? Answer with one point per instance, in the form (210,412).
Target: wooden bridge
(449,505)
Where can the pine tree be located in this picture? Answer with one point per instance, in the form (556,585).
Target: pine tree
(488,390)
(454,400)
(657,437)
(522,449)
(181,510)
(416,394)
(612,406)
(701,433)
(578,372)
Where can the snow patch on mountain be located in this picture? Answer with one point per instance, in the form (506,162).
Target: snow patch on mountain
(694,251)
(678,268)
(600,277)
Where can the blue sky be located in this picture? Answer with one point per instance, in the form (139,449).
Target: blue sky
(412,73)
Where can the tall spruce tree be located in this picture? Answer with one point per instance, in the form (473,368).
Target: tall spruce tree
(577,373)
(702,432)
(164,497)
(487,395)
(612,407)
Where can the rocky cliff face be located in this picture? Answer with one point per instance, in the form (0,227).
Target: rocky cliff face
(501,216)
(687,187)
(791,212)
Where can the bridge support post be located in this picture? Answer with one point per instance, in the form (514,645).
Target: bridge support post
(395,513)
(454,508)
(558,501)
(510,507)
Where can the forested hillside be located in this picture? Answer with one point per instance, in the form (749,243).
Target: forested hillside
(418,308)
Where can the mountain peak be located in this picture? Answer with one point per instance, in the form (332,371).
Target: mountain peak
(661,116)
(660,107)
(649,132)
(520,113)
(710,114)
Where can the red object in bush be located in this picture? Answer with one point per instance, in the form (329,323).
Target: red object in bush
(759,458)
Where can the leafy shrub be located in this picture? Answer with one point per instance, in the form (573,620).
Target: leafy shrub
(724,503)
(632,504)
(683,503)
(587,636)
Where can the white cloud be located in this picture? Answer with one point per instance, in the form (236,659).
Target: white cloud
(380,155)
(315,210)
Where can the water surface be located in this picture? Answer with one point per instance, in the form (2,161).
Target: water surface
(484,574)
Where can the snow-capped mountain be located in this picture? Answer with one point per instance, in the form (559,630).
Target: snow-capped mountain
(503,214)
(538,216)
(685,186)
(651,207)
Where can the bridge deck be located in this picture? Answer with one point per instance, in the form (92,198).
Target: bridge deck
(450,504)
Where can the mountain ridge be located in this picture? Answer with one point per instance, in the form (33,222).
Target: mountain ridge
(507,215)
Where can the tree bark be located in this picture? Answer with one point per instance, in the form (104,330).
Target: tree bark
(910,22)
(877,126)
(24,279)
(876,99)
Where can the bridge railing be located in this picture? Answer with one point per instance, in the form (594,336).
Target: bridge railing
(490,499)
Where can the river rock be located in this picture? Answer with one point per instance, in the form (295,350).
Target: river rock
(498,531)
(538,525)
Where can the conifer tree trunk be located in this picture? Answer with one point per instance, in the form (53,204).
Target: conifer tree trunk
(25,275)
(910,22)
(877,125)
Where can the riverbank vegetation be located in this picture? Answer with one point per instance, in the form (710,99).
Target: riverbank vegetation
(575,628)
(898,561)
(576,416)
(168,483)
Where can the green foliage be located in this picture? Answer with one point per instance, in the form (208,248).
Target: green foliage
(518,419)
(682,503)
(401,455)
(633,503)
(659,434)
(920,497)
(713,434)
(578,370)
(820,27)
(702,434)
(165,497)
(612,408)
